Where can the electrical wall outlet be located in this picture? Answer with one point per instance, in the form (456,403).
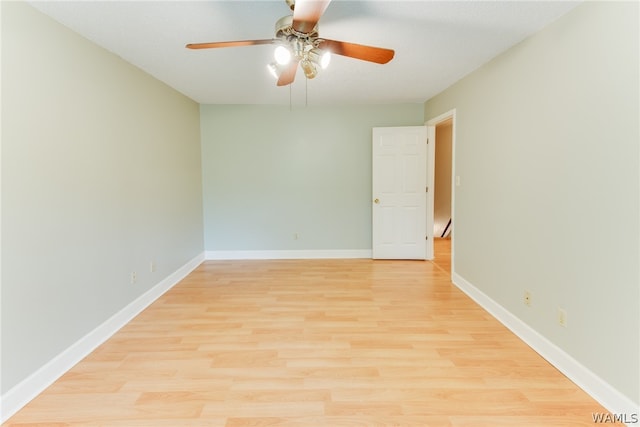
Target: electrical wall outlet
(527,298)
(152,266)
(134,277)
(562,317)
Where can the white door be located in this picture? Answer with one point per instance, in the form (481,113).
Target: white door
(399,199)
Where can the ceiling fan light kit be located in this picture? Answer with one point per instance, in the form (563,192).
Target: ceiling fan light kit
(282,55)
(275,69)
(299,43)
(309,68)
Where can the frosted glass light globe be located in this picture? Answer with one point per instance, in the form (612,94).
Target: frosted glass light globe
(282,55)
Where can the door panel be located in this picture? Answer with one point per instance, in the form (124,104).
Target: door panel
(399,192)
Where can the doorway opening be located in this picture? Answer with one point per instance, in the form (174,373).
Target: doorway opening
(442,224)
(442,132)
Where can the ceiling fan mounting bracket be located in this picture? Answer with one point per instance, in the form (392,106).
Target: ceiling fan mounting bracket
(284,28)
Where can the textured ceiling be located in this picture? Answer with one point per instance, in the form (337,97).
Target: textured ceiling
(436,44)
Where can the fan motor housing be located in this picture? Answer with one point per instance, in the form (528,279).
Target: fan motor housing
(284,28)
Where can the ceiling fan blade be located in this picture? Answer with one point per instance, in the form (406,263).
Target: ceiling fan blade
(288,74)
(228,44)
(378,55)
(307,13)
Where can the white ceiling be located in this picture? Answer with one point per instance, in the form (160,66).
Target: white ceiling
(436,44)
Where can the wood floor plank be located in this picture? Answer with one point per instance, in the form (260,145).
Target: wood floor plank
(293,343)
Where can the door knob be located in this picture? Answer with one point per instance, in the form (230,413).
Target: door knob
(376,201)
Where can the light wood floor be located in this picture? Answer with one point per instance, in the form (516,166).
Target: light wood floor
(313,343)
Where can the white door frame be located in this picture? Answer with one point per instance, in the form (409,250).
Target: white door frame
(431,147)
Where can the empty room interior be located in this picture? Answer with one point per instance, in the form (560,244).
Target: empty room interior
(187,241)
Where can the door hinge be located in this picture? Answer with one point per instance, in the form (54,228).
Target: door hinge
(426,237)
(427,189)
(427,141)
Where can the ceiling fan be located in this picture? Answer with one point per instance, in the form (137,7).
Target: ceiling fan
(299,43)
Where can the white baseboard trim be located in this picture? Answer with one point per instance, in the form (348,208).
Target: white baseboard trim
(289,254)
(21,394)
(596,387)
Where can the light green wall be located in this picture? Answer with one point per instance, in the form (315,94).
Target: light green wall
(269,172)
(547,148)
(100,174)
